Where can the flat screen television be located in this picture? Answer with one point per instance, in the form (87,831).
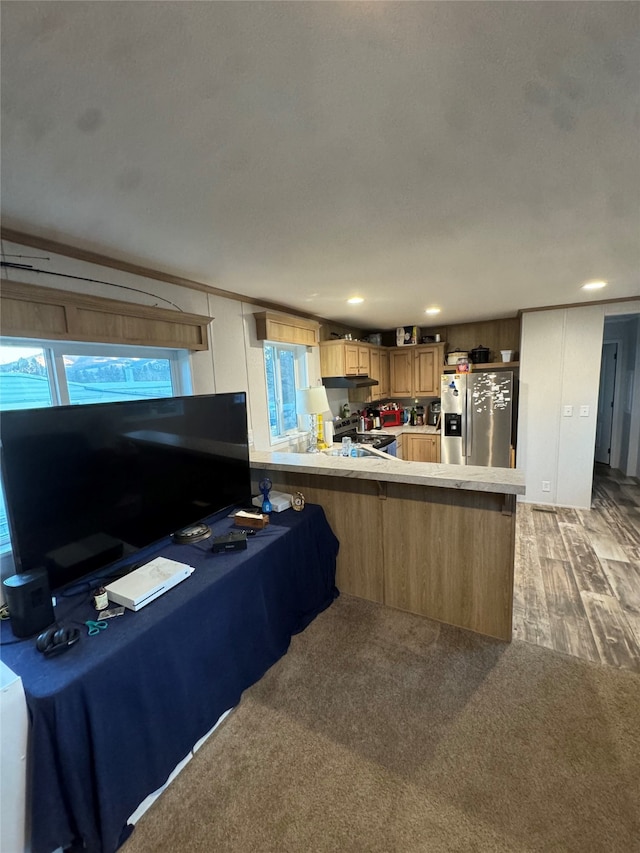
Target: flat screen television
(87,486)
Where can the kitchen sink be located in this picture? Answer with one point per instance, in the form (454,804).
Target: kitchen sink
(357,452)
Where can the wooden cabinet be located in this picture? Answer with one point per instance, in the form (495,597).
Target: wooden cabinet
(356,360)
(281,328)
(374,369)
(420,448)
(415,371)
(401,372)
(401,545)
(383,387)
(344,358)
(32,311)
(427,368)
(379,370)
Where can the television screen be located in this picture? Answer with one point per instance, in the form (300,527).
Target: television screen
(88,485)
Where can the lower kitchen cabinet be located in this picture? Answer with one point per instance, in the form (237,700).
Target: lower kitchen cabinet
(421,448)
(401,545)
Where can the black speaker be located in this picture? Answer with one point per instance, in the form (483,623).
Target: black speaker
(29,602)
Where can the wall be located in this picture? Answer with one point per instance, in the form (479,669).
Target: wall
(234,361)
(560,366)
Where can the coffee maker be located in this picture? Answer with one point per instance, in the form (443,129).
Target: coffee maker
(433,413)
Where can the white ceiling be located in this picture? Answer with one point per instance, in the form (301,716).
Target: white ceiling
(478,156)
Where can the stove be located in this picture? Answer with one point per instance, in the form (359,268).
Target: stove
(348,427)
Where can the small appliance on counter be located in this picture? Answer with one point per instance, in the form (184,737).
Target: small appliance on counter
(391,417)
(433,413)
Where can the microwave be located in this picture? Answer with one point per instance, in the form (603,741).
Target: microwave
(392,417)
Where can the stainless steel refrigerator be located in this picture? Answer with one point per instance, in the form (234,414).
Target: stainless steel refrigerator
(476,418)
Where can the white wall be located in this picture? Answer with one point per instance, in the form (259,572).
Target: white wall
(234,361)
(560,356)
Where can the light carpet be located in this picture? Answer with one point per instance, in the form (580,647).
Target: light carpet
(383,731)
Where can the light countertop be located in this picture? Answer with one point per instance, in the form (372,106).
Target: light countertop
(508,481)
(405,428)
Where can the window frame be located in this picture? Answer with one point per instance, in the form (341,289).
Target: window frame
(300,368)
(54,351)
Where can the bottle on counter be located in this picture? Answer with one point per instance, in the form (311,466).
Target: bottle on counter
(412,417)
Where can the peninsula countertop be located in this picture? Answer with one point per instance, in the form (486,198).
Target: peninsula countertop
(475,478)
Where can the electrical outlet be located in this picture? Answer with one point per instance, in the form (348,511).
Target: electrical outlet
(546,485)
(567,411)
(584,411)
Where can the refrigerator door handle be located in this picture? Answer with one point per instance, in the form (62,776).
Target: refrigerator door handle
(468,415)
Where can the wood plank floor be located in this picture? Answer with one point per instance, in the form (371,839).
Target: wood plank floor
(577,574)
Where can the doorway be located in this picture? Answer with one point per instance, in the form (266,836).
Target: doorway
(606,399)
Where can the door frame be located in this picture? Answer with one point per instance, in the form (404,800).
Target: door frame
(600,414)
(616,424)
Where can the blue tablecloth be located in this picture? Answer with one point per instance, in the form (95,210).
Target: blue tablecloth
(115,714)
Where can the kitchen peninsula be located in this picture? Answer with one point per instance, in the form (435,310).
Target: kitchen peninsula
(432,539)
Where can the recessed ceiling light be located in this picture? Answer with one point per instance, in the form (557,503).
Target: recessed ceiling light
(355,300)
(594,285)
(432,311)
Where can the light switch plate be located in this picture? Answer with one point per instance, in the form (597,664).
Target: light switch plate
(584,411)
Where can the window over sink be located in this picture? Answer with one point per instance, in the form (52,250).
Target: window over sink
(285,370)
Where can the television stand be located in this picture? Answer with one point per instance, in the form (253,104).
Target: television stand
(110,724)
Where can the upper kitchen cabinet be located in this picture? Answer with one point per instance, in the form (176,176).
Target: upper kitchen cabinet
(427,368)
(344,358)
(401,372)
(378,370)
(384,386)
(285,329)
(415,371)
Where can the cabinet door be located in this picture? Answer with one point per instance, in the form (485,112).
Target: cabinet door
(374,365)
(383,388)
(332,358)
(368,395)
(427,372)
(351,361)
(363,361)
(420,448)
(400,373)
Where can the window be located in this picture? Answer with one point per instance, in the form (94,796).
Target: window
(36,374)
(285,368)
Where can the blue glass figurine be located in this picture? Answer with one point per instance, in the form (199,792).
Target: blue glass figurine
(265,488)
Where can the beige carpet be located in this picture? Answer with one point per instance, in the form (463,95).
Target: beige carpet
(382,731)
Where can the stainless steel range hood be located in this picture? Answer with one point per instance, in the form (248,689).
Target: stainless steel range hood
(348,382)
